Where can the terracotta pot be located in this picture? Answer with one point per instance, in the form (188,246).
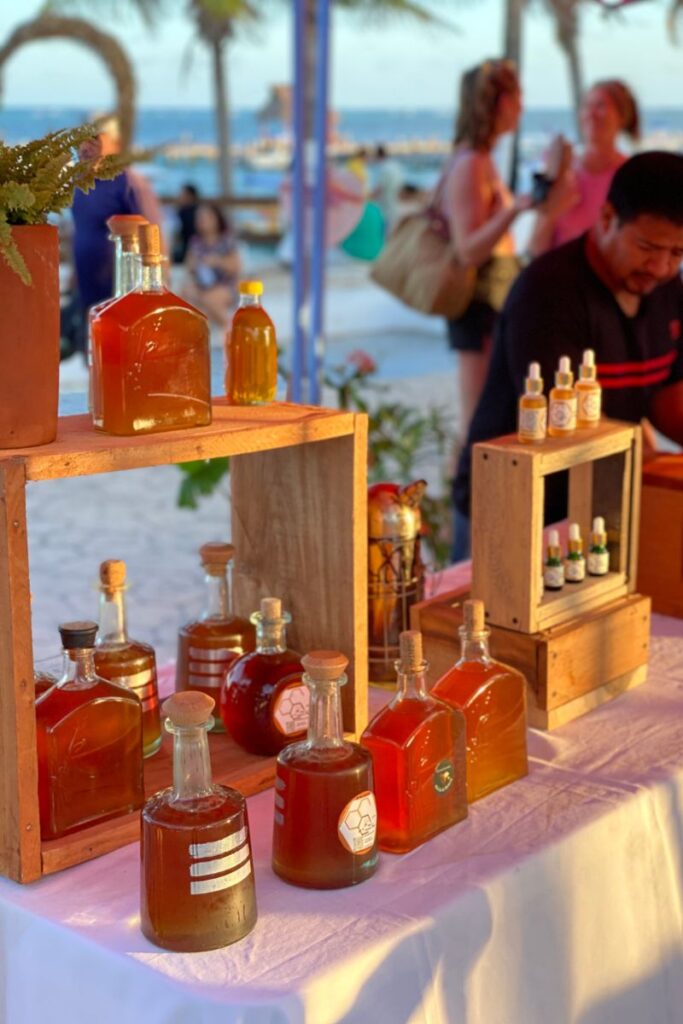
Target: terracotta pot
(29,341)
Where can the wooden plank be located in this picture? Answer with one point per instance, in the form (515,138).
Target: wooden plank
(561,605)
(80,451)
(557,453)
(540,718)
(636,497)
(19,816)
(305,540)
(580,504)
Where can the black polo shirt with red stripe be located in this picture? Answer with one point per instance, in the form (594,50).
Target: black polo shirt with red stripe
(559,306)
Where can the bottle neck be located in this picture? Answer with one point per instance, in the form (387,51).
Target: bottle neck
(325,728)
(249,300)
(474,646)
(126,272)
(151,277)
(191,761)
(79,667)
(218,597)
(112,617)
(411,685)
(271,637)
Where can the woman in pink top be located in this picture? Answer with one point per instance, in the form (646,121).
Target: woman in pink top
(573,205)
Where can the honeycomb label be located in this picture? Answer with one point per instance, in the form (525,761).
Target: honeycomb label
(290,709)
(357,826)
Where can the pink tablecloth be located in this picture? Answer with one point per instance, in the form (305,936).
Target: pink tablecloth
(559,900)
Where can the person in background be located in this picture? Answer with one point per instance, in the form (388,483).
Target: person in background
(387,190)
(608,110)
(213,265)
(480,212)
(187,205)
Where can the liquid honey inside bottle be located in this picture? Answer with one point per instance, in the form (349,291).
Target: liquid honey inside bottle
(419,757)
(492,698)
(197,879)
(89,734)
(208,646)
(325,823)
(264,701)
(154,358)
(251,350)
(122,660)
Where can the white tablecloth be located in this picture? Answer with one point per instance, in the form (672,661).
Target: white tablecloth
(558,900)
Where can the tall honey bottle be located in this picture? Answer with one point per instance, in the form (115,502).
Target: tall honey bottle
(208,646)
(419,757)
(197,877)
(89,733)
(325,823)
(251,350)
(492,698)
(122,660)
(154,370)
(264,701)
(588,392)
(562,406)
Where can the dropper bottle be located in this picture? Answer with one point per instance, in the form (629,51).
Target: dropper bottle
(598,555)
(575,563)
(562,414)
(532,418)
(553,569)
(588,392)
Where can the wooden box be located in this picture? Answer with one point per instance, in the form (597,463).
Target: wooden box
(570,668)
(660,561)
(508,485)
(299,523)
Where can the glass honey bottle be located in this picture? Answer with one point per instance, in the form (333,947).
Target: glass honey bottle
(492,698)
(251,350)
(588,392)
(197,877)
(264,701)
(532,415)
(208,647)
(419,757)
(154,370)
(562,405)
(128,662)
(325,823)
(89,734)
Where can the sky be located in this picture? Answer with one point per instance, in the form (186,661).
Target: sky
(395,65)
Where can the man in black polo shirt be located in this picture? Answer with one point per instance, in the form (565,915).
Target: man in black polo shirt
(616,290)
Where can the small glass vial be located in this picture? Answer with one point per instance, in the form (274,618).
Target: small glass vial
(598,555)
(264,701)
(553,568)
(89,733)
(208,647)
(127,662)
(492,697)
(562,412)
(419,757)
(588,392)
(532,420)
(325,824)
(197,877)
(575,563)
(251,350)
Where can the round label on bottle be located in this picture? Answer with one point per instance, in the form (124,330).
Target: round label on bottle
(357,827)
(444,776)
(589,405)
(563,414)
(291,708)
(533,423)
(598,563)
(553,576)
(575,569)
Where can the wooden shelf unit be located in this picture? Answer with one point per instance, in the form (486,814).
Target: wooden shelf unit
(299,524)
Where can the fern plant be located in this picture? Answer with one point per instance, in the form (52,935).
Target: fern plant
(39,178)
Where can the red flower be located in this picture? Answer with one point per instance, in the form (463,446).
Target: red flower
(363,363)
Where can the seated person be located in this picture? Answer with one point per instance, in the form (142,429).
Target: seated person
(213,265)
(617,290)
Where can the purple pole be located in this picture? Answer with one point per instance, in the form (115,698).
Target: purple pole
(298,200)
(316,339)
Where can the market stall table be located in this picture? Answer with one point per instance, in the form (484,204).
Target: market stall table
(560,899)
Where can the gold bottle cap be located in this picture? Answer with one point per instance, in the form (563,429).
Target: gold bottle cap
(150,243)
(215,555)
(251,287)
(410,648)
(473,616)
(564,378)
(113,574)
(554,544)
(599,534)
(325,665)
(190,707)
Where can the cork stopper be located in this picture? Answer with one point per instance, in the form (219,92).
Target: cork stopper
(76,635)
(325,665)
(215,556)
(564,378)
(410,647)
(188,708)
(113,574)
(473,616)
(271,608)
(150,243)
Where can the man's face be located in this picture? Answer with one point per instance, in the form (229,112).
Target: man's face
(642,254)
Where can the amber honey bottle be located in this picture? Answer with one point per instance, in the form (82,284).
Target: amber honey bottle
(197,877)
(325,824)
(154,362)
(122,660)
(89,733)
(251,350)
(532,414)
(264,701)
(208,647)
(492,698)
(563,404)
(588,392)
(419,758)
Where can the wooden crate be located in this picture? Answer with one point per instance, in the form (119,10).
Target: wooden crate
(660,561)
(569,669)
(508,486)
(299,523)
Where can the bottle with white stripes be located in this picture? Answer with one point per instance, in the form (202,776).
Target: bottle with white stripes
(197,875)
